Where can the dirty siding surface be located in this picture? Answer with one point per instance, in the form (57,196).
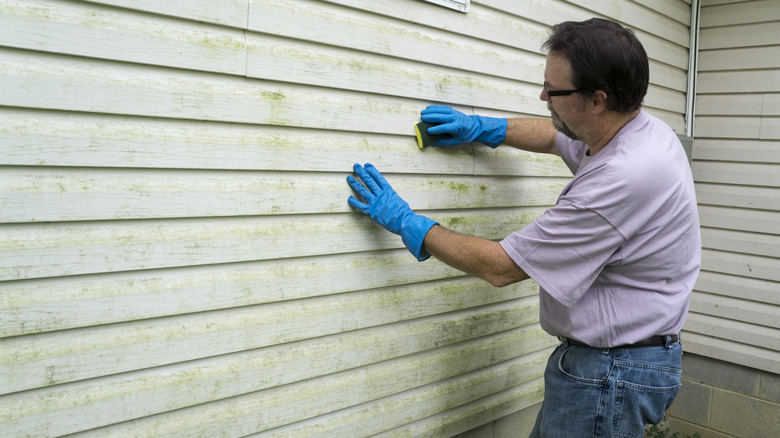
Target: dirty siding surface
(177,256)
(737,169)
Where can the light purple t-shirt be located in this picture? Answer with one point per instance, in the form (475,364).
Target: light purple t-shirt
(617,257)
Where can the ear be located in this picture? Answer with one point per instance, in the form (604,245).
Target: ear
(599,102)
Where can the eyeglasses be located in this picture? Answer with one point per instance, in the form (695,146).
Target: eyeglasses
(552,93)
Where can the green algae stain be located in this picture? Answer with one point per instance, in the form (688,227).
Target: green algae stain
(277,105)
(222,42)
(273,96)
(460,187)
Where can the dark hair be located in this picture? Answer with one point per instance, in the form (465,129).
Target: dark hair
(604,56)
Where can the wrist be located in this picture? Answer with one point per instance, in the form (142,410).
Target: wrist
(492,131)
(413,231)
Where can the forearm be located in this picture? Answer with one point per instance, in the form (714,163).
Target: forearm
(533,135)
(479,257)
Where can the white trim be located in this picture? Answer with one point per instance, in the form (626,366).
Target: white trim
(693,60)
(458,5)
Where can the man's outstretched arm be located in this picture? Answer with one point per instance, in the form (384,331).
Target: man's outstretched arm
(482,258)
(424,237)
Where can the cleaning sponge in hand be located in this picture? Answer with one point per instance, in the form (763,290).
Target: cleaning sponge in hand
(423,138)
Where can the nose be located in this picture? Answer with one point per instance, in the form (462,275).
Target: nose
(543,96)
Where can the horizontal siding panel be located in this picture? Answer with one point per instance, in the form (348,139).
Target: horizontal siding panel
(744,265)
(227,12)
(743,81)
(42,138)
(74,195)
(456,394)
(733,352)
(750,35)
(720,105)
(510,161)
(771,107)
(767,222)
(734,330)
(758,198)
(31,81)
(279,405)
(38,250)
(748,151)
(740,128)
(718,2)
(45,138)
(663,99)
(770,128)
(54,358)
(743,58)
(93,31)
(756,313)
(464,418)
(736,241)
(665,76)
(756,174)
(736,13)
(34,306)
(738,287)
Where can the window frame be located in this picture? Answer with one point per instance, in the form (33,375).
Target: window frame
(458,5)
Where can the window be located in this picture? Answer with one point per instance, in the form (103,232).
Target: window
(458,5)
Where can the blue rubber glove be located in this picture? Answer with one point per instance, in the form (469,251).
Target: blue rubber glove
(387,209)
(461,128)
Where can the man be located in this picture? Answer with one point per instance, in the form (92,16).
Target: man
(616,258)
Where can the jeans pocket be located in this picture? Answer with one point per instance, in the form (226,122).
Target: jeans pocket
(584,366)
(637,405)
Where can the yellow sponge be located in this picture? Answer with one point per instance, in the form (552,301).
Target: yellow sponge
(423,138)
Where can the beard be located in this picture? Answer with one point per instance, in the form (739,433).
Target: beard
(560,126)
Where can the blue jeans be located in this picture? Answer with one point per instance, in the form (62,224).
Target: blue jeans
(607,392)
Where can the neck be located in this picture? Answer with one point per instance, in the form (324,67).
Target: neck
(609,128)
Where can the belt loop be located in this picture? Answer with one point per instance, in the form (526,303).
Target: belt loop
(564,340)
(668,342)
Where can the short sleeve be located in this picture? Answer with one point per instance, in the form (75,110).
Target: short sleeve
(565,249)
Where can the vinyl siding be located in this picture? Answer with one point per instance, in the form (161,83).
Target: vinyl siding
(177,257)
(735,308)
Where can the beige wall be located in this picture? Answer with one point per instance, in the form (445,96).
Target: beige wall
(736,306)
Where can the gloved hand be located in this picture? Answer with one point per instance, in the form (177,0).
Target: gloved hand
(461,128)
(387,209)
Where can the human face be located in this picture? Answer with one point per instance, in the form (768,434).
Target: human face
(557,75)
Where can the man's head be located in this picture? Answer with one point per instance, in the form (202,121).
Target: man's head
(603,56)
